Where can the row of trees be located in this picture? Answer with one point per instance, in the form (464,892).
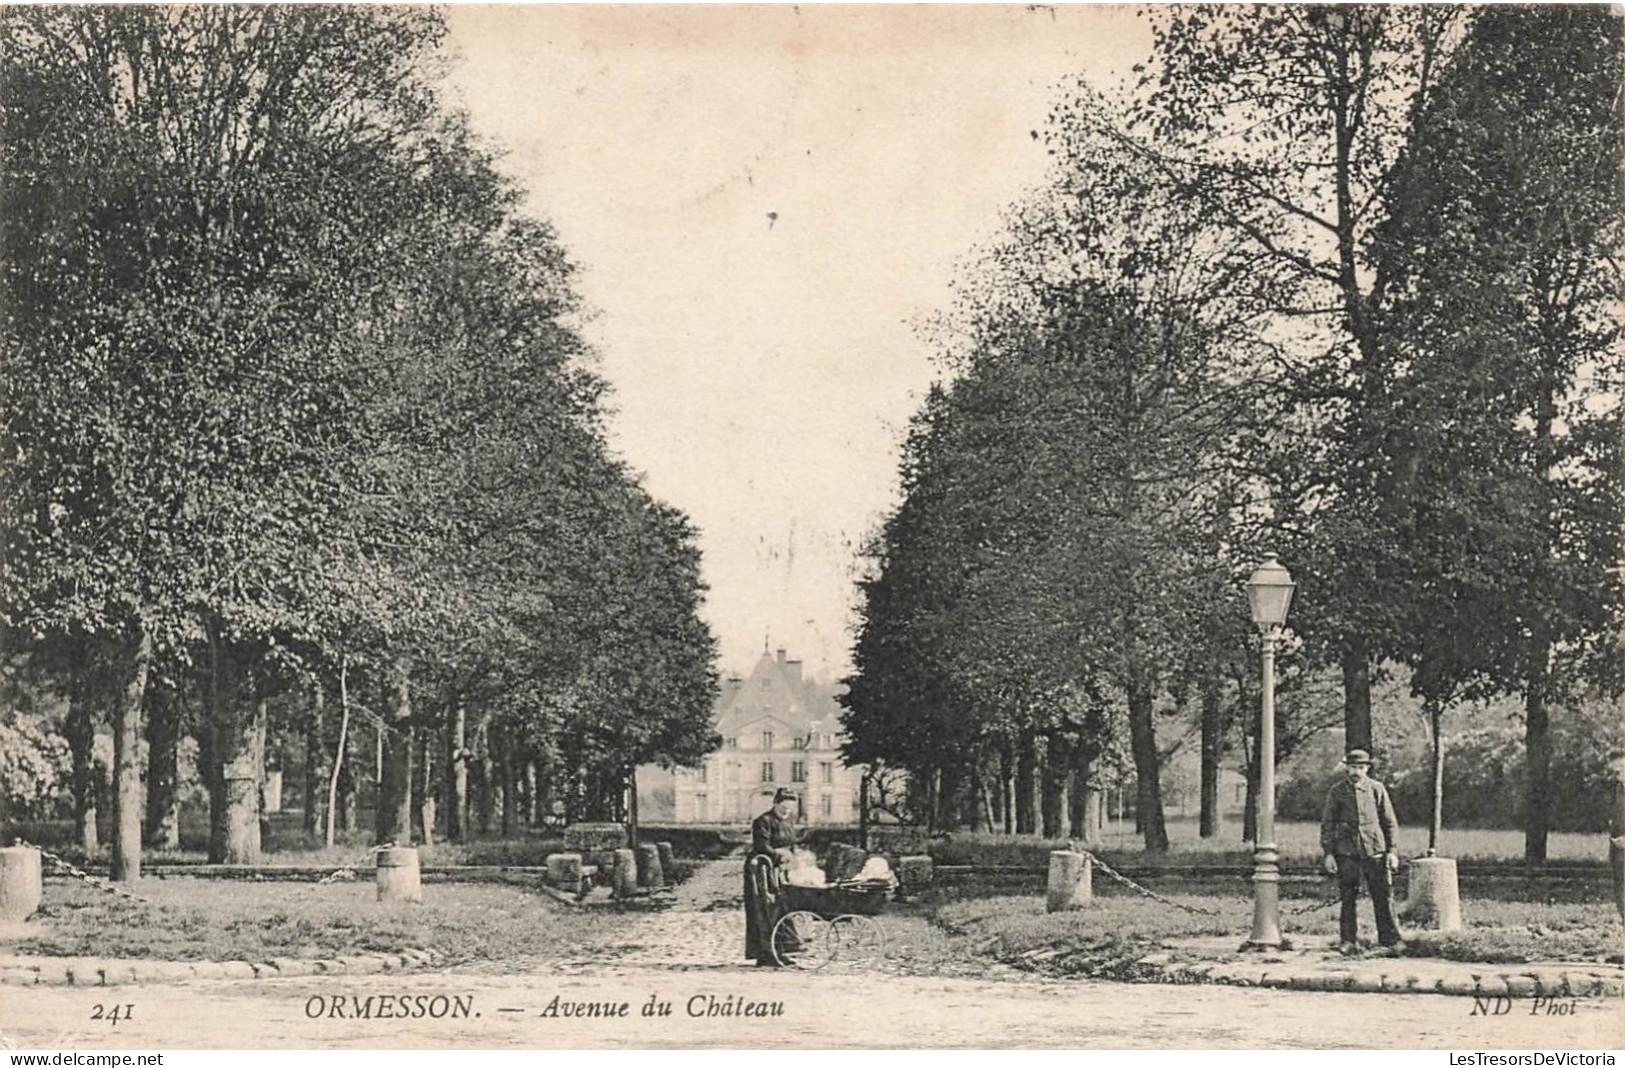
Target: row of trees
(298,433)
(1337,283)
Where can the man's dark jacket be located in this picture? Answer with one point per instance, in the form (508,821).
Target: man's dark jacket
(1358,820)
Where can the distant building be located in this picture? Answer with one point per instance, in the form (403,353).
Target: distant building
(778,729)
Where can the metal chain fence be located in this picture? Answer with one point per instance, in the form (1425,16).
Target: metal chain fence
(1144,891)
(1137,888)
(347,872)
(344,873)
(92,881)
(1312,906)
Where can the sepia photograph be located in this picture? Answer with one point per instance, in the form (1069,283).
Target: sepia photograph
(805,527)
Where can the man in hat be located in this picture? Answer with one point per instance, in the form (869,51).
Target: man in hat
(772,837)
(1360,838)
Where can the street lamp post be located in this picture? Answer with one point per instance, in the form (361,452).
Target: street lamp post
(1269,593)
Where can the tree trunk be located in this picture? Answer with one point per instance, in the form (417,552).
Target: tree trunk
(162,829)
(1357,696)
(970,808)
(340,792)
(505,784)
(1077,788)
(1094,815)
(1249,819)
(1026,788)
(527,785)
(1249,750)
(311,816)
(949,789)
(126,860)
(487,794)
(393,819)
(1616,828)
(863,808)
(1212,749)
(457,775)
(81,732)
(236,760)
(349,800)
(1143,739)
(632,805)
(1053,779)
(1538,785)
(1436,823)
(423,813)
(1007,774)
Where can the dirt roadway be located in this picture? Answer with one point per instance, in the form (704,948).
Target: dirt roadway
(819,1011)
(686,957)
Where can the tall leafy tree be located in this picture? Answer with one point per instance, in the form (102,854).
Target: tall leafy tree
(1501,325)
(1068,481)
(1285,123)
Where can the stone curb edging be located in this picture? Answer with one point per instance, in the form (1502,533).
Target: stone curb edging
(1467,983)
(79,971)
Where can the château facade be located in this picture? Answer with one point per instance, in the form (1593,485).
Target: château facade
(778,729)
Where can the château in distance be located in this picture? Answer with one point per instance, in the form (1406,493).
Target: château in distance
(778,729)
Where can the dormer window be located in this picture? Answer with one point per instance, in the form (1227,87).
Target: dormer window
(767,739)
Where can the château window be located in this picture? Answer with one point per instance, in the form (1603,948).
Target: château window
(733,772)
(767,739)
(826,773)
(702,774)
(730,743)
(798,771)
(826,805)
(702,806)
(767,771)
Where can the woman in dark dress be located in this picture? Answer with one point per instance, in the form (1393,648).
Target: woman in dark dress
(772,836)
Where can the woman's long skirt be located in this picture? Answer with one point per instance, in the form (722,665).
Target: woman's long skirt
(762,908)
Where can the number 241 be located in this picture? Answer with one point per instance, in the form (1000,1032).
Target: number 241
(112,1013)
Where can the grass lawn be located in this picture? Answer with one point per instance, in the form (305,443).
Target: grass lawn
(1298,843)
(1108,939)
(200,919)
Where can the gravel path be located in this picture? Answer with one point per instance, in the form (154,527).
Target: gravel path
(705,928)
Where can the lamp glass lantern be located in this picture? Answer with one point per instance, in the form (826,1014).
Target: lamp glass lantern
(1269,592)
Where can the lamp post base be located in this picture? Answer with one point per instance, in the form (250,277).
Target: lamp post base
(1266,899)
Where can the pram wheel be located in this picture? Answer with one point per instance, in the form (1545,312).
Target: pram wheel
(858,939)
(802,940)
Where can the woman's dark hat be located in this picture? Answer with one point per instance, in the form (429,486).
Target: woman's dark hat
(783,793)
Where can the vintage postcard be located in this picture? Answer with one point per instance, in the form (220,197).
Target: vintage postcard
(805,527)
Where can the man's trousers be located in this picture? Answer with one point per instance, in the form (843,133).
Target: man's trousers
(1375,871)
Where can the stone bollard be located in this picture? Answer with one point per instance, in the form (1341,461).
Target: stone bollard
(1071,881)
(914,873)
(650,874)
(398,878)
(1433,900)
(625,875)
(20,885)
(564,870)
(668,860)
(844,861)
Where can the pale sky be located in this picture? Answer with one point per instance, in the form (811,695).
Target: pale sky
(765,202)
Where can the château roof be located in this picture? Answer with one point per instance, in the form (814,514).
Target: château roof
(775,688)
